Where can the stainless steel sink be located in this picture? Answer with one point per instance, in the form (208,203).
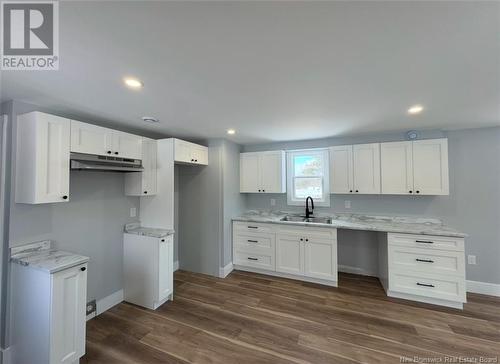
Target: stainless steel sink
(317,220)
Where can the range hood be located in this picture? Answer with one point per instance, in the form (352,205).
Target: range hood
(80,161)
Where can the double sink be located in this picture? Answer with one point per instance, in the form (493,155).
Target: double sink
(299,218)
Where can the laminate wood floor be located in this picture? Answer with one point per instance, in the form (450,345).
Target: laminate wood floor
(252,318)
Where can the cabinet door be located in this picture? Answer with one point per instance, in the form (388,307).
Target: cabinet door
(320,258)
(52,159)
(182,151)
(366,167)
(91,139)
(127,145)
(149,164)
(165,267)
(396,164)
(249,172)
(69,296)
(289,254)
(272,172)
(341,169)
(199,154)
(430,167)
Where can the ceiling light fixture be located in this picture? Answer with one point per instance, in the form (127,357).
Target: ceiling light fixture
(231,131)
(133,83)
(415,109)
(150,119)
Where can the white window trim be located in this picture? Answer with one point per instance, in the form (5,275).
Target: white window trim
(326,177)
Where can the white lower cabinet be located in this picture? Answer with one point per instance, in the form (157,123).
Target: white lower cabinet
(48,313)
(426,268)
(148,269)
(303,253)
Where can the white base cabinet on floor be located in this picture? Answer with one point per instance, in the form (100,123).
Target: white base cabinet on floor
(48,311)
(148,267)
(304,253)
(426,268)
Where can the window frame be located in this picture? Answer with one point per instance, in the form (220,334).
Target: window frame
(290,176)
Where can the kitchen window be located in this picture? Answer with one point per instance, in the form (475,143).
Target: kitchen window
(308,175)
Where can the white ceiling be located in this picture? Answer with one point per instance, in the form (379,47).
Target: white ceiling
(274,71)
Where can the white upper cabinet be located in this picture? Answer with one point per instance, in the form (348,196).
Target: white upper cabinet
(42,158)
(93,139)
(341,175)
(144,183)
(366,168)
(396,162)
(190,153)
(263,172)
(355,169)
(90,139)
(127,145)
(415,167)
(430,167)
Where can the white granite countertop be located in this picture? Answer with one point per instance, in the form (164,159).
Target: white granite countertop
(135,228)
(42,256)
(390,224)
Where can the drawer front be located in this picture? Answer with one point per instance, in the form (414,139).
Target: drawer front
(251,227)
(426,241)
(262,261)
(438,262)
(446,288)
(254,242)
(305,231)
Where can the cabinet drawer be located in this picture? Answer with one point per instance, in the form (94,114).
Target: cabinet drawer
(262,261)
(421,284)
(426,241)
(252,227)
(250,242)
(306,231)
(424,260)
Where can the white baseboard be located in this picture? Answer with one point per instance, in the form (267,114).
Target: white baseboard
(356,270)
(223,272)
(90,316)
(109,301)
(6,355)
(490,289)
(176,265)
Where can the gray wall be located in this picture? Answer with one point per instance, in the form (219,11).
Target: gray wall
(233,201)
(200,213)
(91,223)
(473,205)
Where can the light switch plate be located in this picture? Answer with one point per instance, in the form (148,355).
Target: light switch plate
(133,212)
(471,259)
(273,202)
(347,204)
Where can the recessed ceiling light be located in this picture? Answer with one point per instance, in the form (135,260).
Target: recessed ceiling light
(231,131)
(415,109)
(150,119)
(133,83)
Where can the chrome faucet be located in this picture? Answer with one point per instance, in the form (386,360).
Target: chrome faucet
(309,212)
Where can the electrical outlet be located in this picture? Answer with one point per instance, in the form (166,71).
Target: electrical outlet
(471,259)
(91,307)
(347,204)
(273,202)
(133,212)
